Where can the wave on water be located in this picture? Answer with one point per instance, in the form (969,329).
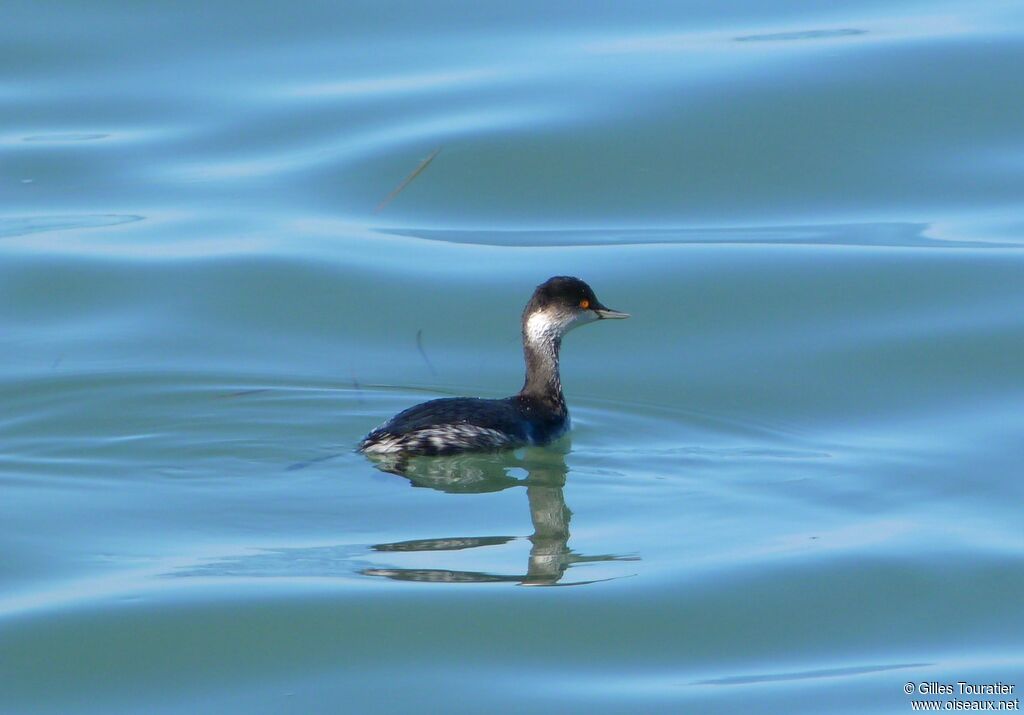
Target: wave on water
(13,226)
(890,234)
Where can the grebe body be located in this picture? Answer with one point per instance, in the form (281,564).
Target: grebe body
(536,415)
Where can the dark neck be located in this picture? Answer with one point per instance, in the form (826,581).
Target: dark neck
(542,380)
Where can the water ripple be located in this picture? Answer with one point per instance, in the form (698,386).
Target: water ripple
(339,149)
(25,225)
(802,35)
(58,138)
(808,674)
(894,235)
(403,84)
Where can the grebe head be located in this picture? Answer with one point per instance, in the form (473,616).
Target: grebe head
(560,304)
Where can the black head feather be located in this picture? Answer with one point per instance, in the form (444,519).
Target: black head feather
(562,292)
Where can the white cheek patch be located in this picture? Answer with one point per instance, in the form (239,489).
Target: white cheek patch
(546,325)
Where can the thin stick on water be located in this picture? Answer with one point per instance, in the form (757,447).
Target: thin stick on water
(419,346)
(407,180)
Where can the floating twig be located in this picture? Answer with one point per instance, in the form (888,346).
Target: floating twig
(407,180)
(243,393)
(310,462)
(358,390)
(419,346)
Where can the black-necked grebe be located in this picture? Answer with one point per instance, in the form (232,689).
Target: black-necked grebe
(537,415)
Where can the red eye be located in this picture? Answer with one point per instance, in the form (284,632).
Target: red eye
(584,304)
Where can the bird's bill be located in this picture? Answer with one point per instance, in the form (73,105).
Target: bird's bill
(609,314)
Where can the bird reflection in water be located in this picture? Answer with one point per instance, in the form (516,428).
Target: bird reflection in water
(546,470)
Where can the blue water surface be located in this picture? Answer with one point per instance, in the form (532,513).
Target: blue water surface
(236,236)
